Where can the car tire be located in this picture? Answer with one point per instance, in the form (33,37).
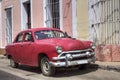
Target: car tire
(46,68)
(13,64)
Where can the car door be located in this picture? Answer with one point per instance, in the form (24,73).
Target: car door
(28,48)
(17,48)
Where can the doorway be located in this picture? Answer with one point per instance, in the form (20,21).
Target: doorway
(8,20)
(26,15)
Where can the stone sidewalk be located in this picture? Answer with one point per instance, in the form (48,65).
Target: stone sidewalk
(115,66)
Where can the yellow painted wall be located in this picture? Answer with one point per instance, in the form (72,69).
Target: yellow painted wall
(82,19)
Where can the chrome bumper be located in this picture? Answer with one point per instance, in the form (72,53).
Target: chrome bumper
(72,63)
(68,57)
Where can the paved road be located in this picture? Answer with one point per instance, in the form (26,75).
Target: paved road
(30,73)
(7,76)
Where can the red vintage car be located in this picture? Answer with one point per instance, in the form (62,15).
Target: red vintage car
(49,48)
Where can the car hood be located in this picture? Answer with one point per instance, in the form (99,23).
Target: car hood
(68,44)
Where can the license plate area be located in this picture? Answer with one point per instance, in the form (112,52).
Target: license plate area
(78,62)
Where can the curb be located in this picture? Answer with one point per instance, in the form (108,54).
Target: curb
(109,67)
(105,67)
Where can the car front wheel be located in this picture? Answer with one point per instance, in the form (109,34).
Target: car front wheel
(13,63)
(46,68)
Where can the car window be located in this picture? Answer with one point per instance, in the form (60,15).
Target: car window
(28,37)
(48,34)
(19,38)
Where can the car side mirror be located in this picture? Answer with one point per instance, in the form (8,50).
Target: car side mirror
(66,35)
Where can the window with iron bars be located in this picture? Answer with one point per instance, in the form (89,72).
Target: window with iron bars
(52,13)
(105,27)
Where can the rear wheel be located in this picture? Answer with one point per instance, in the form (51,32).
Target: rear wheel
(13,63)
(46,68)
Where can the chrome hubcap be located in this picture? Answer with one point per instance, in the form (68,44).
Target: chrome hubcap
(46,65)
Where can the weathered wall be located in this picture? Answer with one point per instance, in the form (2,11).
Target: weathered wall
(82,19)
(104,21)
(108,53)
(104,18)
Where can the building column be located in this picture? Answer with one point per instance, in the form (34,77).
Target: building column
(61,15)
(74,19)
(0,25)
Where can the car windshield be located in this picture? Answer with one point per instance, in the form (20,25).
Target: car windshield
(48,34)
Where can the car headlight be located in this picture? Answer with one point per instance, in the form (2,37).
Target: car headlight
(59,49)
(92,45)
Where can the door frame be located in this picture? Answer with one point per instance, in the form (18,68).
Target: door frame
(9,7)
(60,13)
(74,18)
(22,2)
(0,24)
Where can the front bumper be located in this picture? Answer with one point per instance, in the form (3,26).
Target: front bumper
(72,58)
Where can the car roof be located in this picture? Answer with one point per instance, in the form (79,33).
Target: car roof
(37,29)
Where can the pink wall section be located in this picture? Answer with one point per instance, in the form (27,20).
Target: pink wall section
(108,53)
(67,16)
(16,17)
(37,10)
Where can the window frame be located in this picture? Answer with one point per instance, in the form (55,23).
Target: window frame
(16,40)
(52,14)
(29,33)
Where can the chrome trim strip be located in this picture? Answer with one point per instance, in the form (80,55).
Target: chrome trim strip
(76,51)
(73,56)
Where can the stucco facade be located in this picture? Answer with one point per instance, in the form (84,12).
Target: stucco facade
(82,19)
(37,13)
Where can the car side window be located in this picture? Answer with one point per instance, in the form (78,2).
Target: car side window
(28,37)
(19,38)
